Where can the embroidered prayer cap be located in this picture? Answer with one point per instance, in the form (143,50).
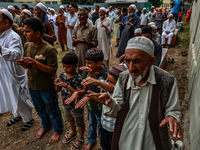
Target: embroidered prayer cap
(27,12)
(142,43)
(94,54)
(116,70)
(171,15)
(138,30)
(153,25)
(42,7)
(133,6)
(102,8)
(7,13)
(11,7)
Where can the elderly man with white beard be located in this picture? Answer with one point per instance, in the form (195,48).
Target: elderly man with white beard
(145,101)
(105,27)
(130,23)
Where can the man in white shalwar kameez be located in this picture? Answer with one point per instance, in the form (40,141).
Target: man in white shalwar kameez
(105,27)
(52,18)
(14,94)
(70,23)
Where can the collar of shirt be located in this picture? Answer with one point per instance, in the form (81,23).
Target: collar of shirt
(151,79)
(86,25)
(5,33)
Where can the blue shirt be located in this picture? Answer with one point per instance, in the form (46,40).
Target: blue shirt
(177,6)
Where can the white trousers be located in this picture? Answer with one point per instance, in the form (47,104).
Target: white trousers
(169,36)
(24,107)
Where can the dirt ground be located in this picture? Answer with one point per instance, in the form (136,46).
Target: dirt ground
(12,138)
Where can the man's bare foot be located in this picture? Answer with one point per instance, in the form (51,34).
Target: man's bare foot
(55,137)
(40,133)
(90,146)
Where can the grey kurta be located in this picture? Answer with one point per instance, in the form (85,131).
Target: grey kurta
(136,133)
(13,86)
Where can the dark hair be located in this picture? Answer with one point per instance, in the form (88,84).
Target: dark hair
(94,54)
(124,10)
(16,7)
(119,8)
(34,23)
(74,5)
(30,8)
(147,29)
(97,6)
(7,18)
(70,59)
(26,6)
(85,11)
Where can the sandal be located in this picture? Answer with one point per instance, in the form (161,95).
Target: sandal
(67,140)
(77,147)
(13,121)
(27,125)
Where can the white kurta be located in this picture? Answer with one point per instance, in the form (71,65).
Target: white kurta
(13,86)
(70,20)
(168,26)
(104,36)
(136,133)
(53,20)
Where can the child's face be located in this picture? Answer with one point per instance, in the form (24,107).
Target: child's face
(69,69)
(29,34)
(93,65)
(111,80)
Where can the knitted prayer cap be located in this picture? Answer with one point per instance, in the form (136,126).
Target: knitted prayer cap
(7,13)
(116,70)
(94,54)
(138,30)
(11,7)
(142,43)
(27,11)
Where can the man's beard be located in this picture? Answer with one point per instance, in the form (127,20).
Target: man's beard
(130,14)
(142,75)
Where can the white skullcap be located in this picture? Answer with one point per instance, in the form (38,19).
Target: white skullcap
(133,6)
(142,43)
(138,30)
(152,7)
(144,8)
(52,9)
(107,10)
(103,8)
(27,11)
(153,25)
(62,7)
(171,15)
(7,13)
(42,7)
(11,7)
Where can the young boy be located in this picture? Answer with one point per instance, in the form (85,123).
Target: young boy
(41,61)
(108,123)
(68,82)
(95,69)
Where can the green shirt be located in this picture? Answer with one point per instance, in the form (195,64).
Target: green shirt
(47,55)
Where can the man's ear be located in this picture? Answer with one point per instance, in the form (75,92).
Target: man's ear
(152,60)
(38,33)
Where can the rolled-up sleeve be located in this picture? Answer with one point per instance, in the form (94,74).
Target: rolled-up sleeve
(112,109)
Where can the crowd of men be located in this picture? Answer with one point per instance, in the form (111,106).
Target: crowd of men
(133,104)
